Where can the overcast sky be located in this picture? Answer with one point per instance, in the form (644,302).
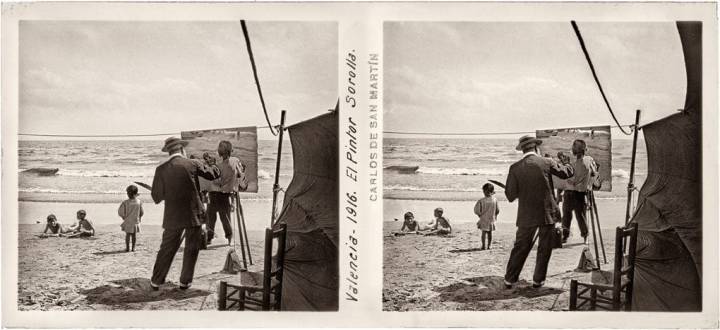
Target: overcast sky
(500,77)
(156,77)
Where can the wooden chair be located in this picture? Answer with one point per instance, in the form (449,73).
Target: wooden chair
(268,282)
(610,291)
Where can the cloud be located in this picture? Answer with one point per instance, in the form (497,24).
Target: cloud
(500,76)
(117,76)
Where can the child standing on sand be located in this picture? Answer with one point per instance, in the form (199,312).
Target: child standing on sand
(131,211)
(487,209)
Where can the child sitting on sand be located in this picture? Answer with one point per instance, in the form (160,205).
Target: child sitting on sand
(131,211)
(410,224)
(83,227)
(56,229)
(441,225)
(487,209)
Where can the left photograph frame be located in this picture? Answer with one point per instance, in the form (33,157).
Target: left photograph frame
(121,207)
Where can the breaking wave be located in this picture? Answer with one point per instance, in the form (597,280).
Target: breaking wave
(446,171)
(60,191)
(414,188)
(107,173)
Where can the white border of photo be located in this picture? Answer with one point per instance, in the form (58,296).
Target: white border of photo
(361,28)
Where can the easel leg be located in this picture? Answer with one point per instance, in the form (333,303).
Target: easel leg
(597,218)
(240,230)
(592,224)
(241,218)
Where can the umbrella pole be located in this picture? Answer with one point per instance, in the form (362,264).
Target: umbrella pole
(276,185)
(631,180)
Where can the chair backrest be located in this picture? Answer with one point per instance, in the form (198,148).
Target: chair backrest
(279,233)
(625,259)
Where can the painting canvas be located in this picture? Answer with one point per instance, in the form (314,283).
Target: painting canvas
(244,142)
(599,147)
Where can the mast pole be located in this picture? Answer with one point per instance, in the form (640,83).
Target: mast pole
(631,180)
(276,185)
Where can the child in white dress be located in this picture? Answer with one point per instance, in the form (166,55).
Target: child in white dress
(487,209)
(131,211)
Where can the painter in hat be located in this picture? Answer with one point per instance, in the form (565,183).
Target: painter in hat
(175,184)
(527,142)
(529,182)
(173,144)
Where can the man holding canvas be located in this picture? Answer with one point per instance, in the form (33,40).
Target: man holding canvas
(232,178)
(574,199)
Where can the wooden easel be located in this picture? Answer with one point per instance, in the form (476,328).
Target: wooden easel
(592,206)
(240,217)
(595,219)
(242,231)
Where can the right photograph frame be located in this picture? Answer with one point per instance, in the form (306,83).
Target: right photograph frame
(542,166)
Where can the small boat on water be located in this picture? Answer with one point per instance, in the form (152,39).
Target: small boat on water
(403,169)
(43,171)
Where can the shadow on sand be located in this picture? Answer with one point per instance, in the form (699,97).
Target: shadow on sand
(105,253)
(466,250)
(136,290)
(569,245)
(486,288)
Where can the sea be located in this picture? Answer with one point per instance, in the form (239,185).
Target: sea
(456,169)
(99,171)
(424,169)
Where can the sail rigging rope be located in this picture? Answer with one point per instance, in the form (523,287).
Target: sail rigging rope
(472,133)
(176,133)
(257,81)
(597,81)
(92,135)
(104,135)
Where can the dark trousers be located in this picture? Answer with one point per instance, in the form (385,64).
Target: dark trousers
(574,202)
(219,203)
(170,244)
(523,244)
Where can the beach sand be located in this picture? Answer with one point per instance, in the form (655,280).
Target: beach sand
(433,273)
(97,274)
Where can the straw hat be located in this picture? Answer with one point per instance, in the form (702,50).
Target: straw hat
(527,141)
(173,141)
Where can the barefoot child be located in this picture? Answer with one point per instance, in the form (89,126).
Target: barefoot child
(410,223)
(55,228)
(131,211)
(487,209)
(441,225)
(83,227)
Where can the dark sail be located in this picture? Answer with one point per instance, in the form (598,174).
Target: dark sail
(668,272)
(310,210)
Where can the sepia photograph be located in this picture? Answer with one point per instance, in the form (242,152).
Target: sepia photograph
(359,164)
(542,166)
(177,165)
